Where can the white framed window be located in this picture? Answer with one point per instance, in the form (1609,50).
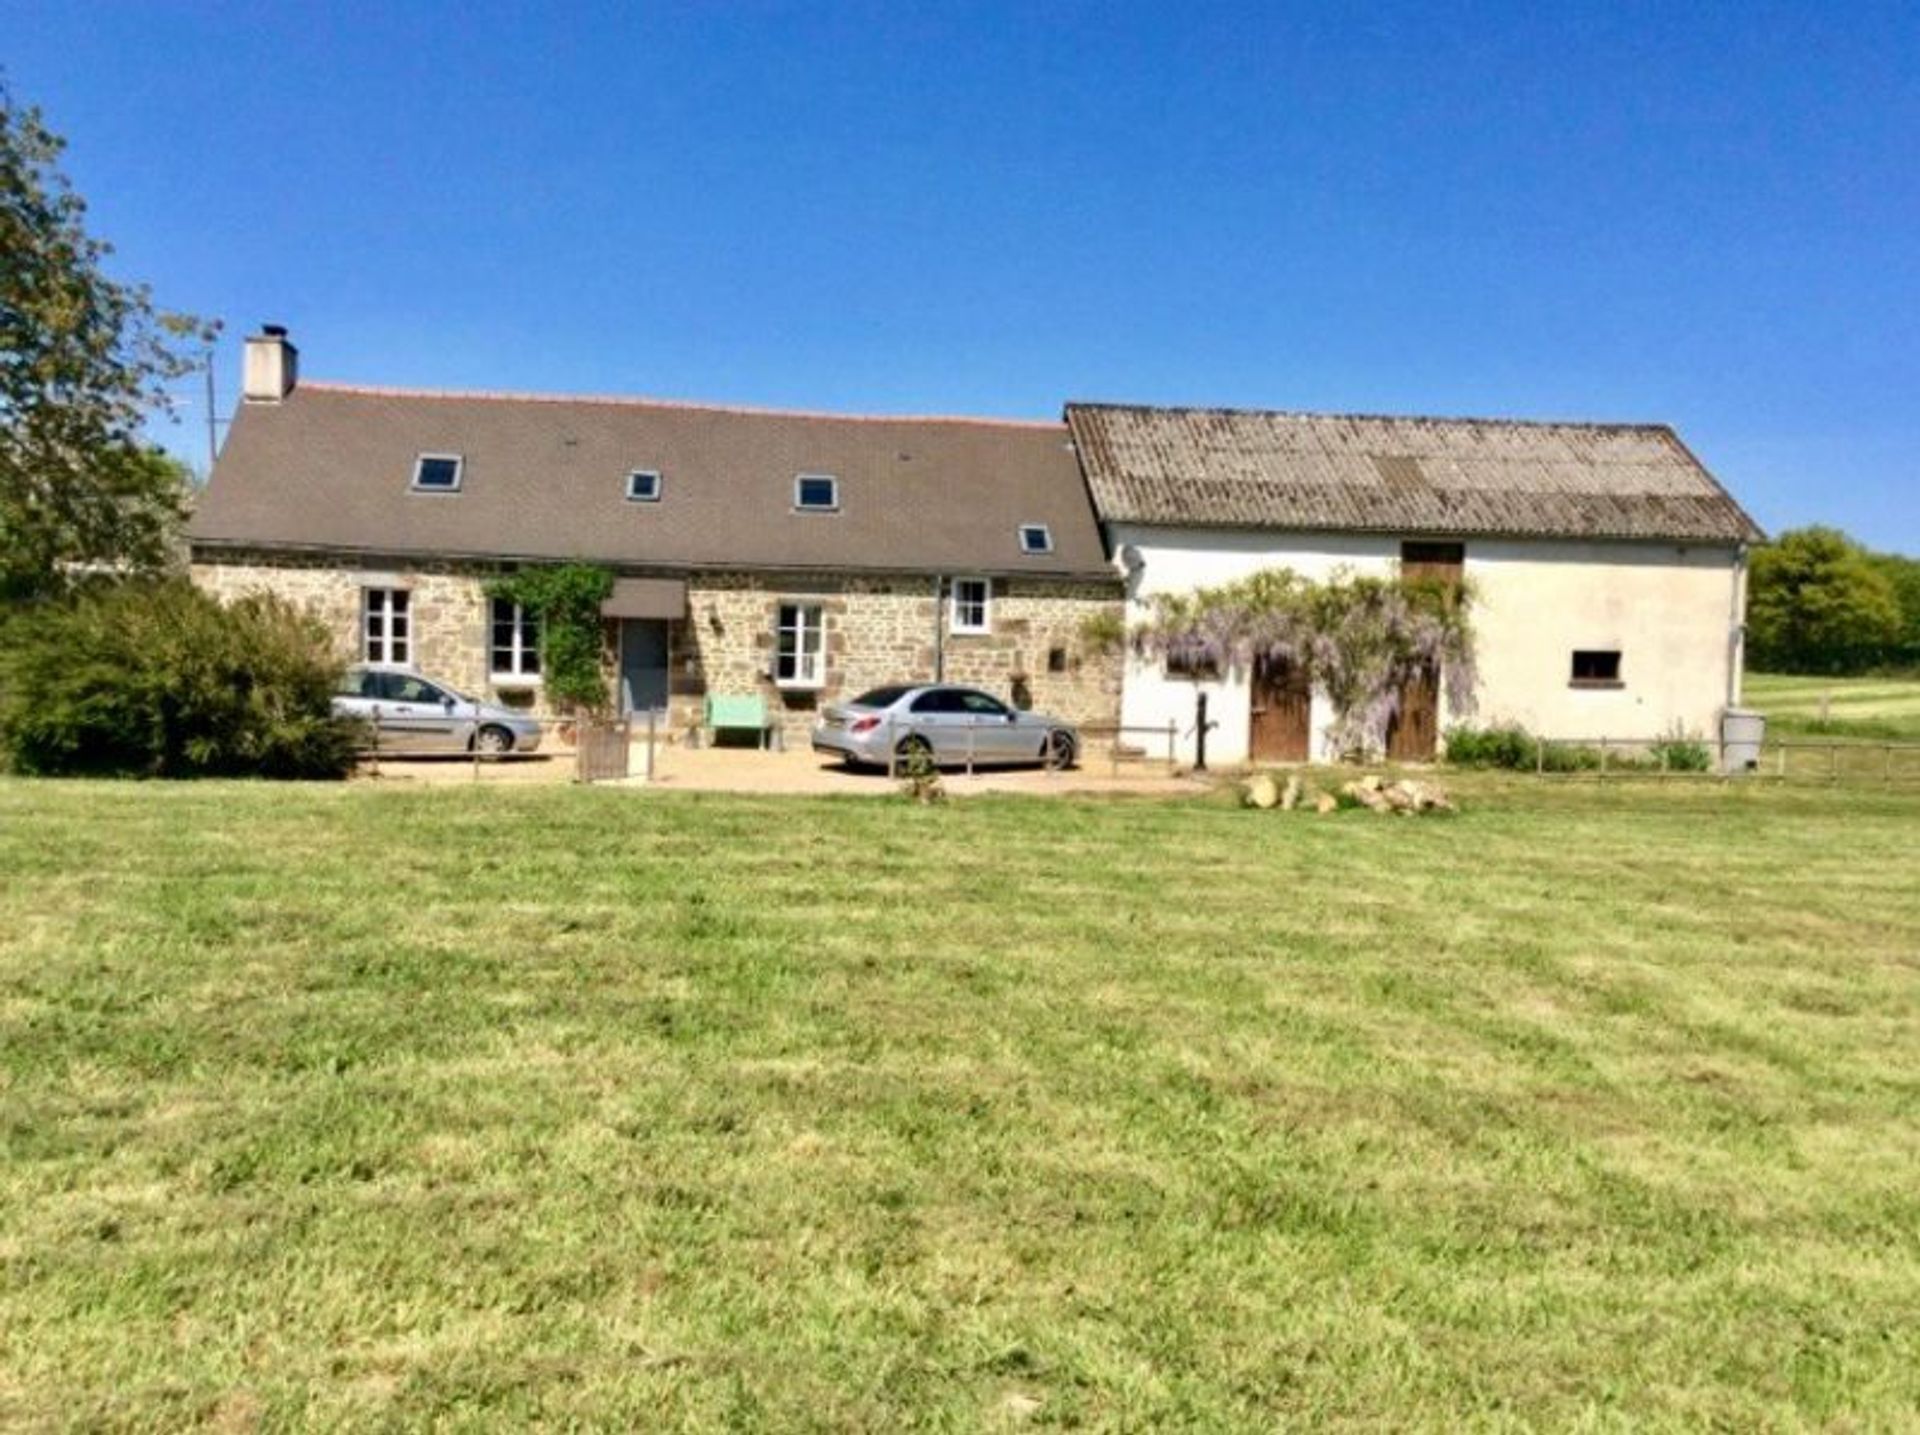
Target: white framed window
(643,486)
(800,646)
(516,643)
(386,625)
(438,472)
(1036,538)
(972,606)
(816,493)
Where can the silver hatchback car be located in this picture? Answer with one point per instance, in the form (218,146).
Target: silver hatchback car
(952,725)
(413,713)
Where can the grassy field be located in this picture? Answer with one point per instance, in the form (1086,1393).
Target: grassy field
(1595,1106)
(1882,708)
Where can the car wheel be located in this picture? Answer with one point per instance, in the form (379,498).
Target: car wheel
(912,750)
(494,740)
(1060,750)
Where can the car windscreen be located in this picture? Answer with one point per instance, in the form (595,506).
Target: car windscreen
(881,697)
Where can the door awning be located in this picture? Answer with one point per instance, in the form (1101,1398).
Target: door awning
(646,598)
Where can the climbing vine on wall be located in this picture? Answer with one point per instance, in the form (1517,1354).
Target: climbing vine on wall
(567,598)
(1361,639)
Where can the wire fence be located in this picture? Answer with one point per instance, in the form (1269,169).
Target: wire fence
(599,750)
(1787,759)
(611,751)
(1136,743)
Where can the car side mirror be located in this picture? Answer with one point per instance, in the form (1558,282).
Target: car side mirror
(1012,716)
(447,703)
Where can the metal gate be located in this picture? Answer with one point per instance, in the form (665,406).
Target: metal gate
(601,750)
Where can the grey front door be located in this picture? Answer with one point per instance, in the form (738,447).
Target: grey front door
(643,665)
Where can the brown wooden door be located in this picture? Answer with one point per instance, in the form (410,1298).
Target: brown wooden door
(1414,733)
(1282,713)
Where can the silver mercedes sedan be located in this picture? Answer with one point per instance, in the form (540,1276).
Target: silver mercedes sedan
(951,725)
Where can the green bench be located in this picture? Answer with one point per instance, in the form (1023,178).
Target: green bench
(738,714)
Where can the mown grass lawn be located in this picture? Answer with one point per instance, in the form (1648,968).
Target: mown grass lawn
(1876,708)
(357,1106)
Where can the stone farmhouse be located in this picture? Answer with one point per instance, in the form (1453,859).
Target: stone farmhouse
(806,557)
(803,557)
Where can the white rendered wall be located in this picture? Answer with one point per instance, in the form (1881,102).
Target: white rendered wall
(1669,610)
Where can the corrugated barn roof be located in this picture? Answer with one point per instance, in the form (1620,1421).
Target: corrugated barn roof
(1258,469)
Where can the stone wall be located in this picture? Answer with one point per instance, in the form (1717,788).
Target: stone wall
(448,607)
(878,630)
(885,630)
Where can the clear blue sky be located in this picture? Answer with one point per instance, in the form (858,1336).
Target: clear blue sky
(1702,214)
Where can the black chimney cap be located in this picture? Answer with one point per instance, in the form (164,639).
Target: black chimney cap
(274,331)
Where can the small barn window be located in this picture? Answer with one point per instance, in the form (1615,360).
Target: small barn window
(1433,555)
(437,472)
(1192,667)
(1596,668)
(643,486)
(1056,660)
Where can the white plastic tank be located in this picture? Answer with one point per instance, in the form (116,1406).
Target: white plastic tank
(1742,731)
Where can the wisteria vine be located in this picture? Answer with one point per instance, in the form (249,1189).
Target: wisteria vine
(1361,639)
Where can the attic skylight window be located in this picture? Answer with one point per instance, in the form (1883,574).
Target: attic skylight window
(1036,538)
(643,486)
(437,472)
(816,493)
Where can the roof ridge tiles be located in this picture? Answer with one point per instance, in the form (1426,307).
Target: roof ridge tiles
(1228,410)
(681,405)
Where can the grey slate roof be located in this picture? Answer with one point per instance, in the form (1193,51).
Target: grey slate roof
(1258,469)
(330,468)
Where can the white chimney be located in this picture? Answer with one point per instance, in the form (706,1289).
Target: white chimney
(272,366)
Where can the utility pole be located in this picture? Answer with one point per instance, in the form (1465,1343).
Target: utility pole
(213,423)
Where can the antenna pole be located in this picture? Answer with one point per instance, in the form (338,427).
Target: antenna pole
(213,442)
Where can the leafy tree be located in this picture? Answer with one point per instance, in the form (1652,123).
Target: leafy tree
(1903,574)
(84,360)
(1817,603)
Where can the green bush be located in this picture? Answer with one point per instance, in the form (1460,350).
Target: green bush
(162,680)
(1515,748)
(1511,747)
(1680,751)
